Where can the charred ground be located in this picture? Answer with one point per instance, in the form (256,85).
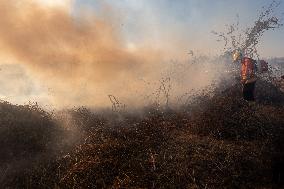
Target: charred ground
(218,141)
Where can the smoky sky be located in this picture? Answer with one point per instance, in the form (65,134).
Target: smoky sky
(80,58)
(83,51)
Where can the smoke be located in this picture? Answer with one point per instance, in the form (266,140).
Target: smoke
(82,58)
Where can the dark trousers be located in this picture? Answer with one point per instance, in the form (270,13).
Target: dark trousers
(248,91)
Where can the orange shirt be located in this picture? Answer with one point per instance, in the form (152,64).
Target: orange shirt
(248,68)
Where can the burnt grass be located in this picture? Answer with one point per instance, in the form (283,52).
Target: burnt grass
(215,142)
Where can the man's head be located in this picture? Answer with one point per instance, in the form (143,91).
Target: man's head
(237,55)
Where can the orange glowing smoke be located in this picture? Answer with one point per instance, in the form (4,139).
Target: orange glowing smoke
(75,55)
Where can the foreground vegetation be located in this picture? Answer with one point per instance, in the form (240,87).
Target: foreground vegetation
(217,141)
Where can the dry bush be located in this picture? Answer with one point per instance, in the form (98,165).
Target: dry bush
(28,136)
(218,141)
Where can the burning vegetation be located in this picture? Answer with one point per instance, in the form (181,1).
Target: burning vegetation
(218,141)
(204,138)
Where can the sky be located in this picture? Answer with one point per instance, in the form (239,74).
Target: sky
(190,22)
(76,52)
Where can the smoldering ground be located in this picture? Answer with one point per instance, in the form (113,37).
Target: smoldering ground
(219,141)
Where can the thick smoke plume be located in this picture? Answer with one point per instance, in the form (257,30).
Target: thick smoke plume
(71,53)
(81,58)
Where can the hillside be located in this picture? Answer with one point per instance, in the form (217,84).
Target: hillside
(217,141)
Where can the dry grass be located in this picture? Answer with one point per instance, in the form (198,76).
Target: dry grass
(218,142)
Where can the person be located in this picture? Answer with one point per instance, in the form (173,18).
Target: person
(263,65)
(248,74)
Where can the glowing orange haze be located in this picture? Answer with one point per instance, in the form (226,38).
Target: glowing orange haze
(82,59)
(69,53)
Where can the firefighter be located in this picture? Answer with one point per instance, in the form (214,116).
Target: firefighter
(248,74)
(263,66)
